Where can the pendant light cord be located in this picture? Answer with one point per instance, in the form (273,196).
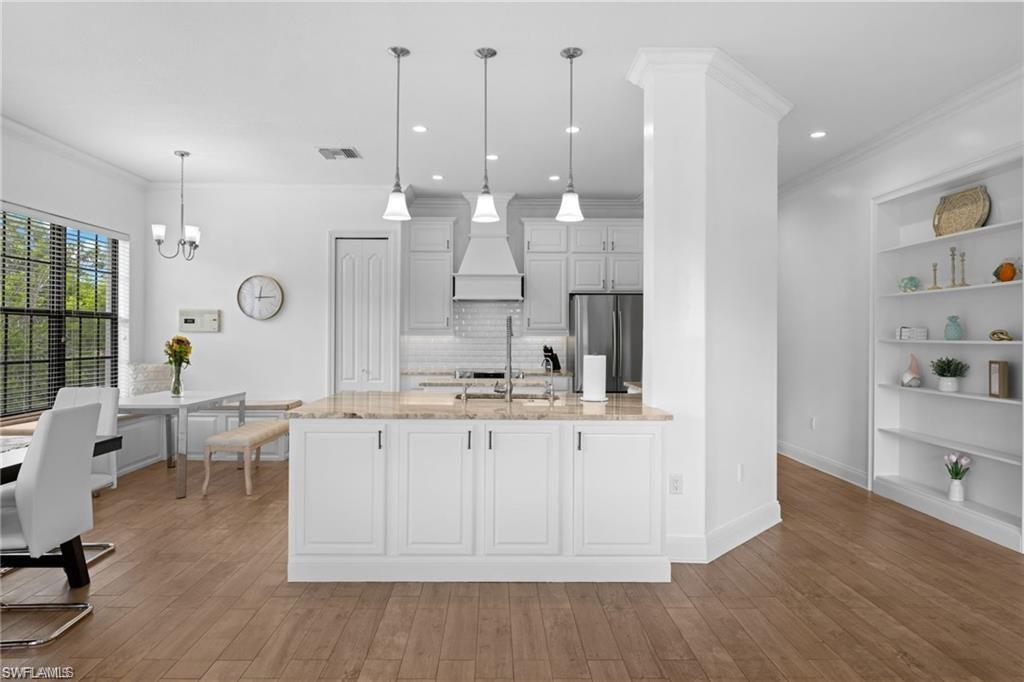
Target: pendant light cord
(571,62)
(181,197)
(398,109)
(486,187)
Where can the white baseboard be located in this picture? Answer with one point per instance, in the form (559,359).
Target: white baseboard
(825,464)
(687,549)
(654,569)
(734,533)
(142,464)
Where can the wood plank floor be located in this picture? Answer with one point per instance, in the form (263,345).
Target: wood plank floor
(848,587)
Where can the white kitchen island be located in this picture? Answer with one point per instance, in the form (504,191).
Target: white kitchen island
(416,486)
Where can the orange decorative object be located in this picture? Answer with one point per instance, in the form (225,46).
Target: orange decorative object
(1005,272)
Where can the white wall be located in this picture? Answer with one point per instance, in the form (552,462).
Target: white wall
(824,251)
(41,173)
(281,231)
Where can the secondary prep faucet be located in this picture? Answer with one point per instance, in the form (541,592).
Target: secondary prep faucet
(508,359)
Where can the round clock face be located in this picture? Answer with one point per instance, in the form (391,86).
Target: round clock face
(260,297)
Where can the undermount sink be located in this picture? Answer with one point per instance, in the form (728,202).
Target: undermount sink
(527,400)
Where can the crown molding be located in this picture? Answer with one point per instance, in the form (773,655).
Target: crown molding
(266,186)
(966,100)
(715,64)
(12,127)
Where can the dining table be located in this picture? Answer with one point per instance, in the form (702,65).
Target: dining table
(177,408)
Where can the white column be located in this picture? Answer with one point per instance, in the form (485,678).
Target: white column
(710,291)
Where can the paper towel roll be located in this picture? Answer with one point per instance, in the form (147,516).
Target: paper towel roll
(594,378)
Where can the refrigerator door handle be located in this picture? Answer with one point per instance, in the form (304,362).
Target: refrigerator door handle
(618,349)
(615,343)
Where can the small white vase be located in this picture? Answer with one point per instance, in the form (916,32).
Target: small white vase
(956,490)
(949,384)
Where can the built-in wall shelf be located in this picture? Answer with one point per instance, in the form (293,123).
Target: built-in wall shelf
(988,522)
(958,236)
(1015,284)
(906,452)
(954,445)
(944,342)
(959,395)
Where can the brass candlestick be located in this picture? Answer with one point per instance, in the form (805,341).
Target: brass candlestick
(963,269)
(935,277)
(952,265)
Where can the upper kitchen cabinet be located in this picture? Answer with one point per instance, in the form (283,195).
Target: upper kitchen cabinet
(427,302)
(547,293)
(431,234)
(545,236)
(588,238)
(625,272)
(626,238)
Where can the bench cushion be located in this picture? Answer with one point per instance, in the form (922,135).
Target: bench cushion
(249,435)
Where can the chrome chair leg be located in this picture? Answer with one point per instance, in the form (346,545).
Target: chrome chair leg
(82,610)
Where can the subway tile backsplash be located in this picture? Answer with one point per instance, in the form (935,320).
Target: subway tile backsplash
(478,341)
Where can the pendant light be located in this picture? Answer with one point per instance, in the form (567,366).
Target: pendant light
(569,211)
(188,235)
(485,211)
(396,208)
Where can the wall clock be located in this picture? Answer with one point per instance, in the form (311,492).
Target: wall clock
(260,297)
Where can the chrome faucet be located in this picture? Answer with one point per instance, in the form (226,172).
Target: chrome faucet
(508,359)
(549,381)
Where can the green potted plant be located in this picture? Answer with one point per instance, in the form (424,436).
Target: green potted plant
(949,371)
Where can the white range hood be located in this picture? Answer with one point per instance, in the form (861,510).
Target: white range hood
(488,271)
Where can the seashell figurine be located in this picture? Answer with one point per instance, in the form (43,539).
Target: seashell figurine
(912,377)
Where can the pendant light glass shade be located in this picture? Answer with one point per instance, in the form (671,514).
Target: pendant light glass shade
(569,211)
(486,211)
(396,208)
(188,235)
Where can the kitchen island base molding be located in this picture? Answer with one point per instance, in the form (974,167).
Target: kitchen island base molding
(483,569)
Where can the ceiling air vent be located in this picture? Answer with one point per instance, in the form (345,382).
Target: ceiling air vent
(332,153)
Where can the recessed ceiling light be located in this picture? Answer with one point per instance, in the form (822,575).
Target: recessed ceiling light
(553,178)
(818,134)
(437,177)
(572,129)
(492,157)
(419,129)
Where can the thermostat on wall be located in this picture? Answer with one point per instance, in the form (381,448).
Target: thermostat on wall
(199,320)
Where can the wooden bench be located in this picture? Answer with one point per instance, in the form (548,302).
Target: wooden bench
(247,439)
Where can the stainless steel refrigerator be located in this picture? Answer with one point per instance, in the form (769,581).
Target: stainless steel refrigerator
(611,325)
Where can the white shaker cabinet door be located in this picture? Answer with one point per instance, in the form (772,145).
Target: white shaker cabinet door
(428,293)
(547,293)
(626,272)
(587,273)
(430,234)
(339,497)
(435,488)
(588,238)
(617,491)
(521,489)
(626,239)
(545,237)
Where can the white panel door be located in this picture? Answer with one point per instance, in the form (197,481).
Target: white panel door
(588,238)
(545,237)
(342,504)
(587,273)
(616,491)
(363,311)
(626,272)
(428,292)
(435,489)
(547,293)
(521,489)
(626,239)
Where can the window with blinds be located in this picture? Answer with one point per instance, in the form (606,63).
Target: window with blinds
(64,308)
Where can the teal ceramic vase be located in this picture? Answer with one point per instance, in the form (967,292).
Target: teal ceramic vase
(954,332)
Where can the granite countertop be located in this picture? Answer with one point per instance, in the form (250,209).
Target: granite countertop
(532,372)
(427,405)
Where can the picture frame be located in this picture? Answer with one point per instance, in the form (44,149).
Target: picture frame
(998,379)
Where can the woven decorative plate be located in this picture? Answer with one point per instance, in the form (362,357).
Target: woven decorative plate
(964,210)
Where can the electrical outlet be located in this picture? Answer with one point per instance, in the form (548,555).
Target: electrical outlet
(814,423)
(739,473)
(675,484)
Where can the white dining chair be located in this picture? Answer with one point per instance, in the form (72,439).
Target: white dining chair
(104,467)
(50,507)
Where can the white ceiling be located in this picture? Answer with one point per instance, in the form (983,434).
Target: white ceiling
(253,89)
